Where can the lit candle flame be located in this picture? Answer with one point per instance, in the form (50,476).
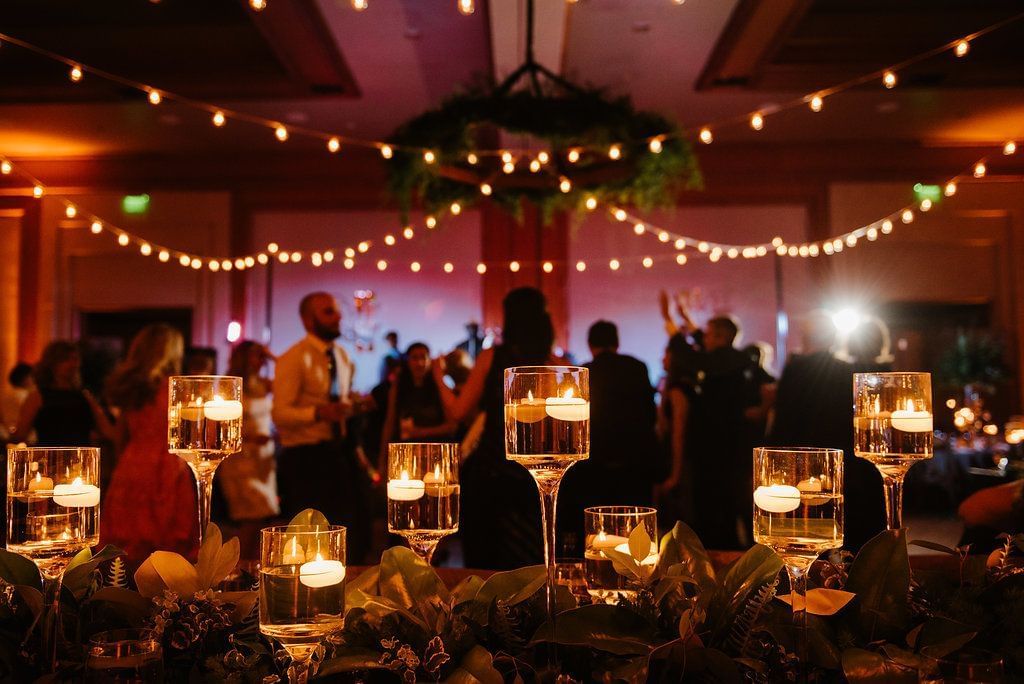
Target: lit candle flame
(529,395)
(437,472)
(405,475)
(568,393)
(319,557)
(910,404)
(39,477)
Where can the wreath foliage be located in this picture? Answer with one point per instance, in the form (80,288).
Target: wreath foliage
(556,122)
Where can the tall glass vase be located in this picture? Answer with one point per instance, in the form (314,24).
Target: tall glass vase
(204,426)
(547,430)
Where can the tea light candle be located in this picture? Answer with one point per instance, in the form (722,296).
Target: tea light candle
(40,484)
(193,412)
(601,541)
(529,410)
(651,559)
(910,420)
(321,573)
(76,495)
(405,489)
(293,552)
(436,484)
(222,409)
(568,408)
(777,498)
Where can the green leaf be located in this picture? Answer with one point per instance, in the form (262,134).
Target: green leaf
(309,517)
(934,546)
(366,583)
(822,601)
(608,628)
(682,546)
(868,667)
(675,661)
(755,568)
(15,569)
(242,600)
(477,666)
(166,570)
(466,590)
(640,544)
(514,586)
(349,659)
(408,581)
(78,576)
(623,563)
(129,606)
(880,576)
(942,633)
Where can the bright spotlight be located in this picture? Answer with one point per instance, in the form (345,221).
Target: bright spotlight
(234,331)
(847,320)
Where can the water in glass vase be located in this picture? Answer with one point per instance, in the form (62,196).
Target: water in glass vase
(293,612)
(892,444)
(190,430)
(432,516)
(40,526)
(129,669)
(546,439)
(796,523)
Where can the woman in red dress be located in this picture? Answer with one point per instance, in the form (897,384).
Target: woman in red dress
(150,504)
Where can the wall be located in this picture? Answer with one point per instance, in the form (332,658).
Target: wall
(10,239)
(430,306)
(629,297)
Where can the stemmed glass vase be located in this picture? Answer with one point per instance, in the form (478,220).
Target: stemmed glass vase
(893,429)
(53,512)
(204,426)
(798,512)
(547,430)
(423,494)
(302,589)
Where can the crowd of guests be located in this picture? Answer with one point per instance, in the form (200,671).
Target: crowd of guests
(310,440)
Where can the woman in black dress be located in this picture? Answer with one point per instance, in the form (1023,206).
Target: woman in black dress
(500,521)
(59,411)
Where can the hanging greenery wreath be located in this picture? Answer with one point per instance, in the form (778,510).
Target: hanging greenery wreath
(568,157)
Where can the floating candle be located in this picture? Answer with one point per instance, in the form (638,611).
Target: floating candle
(910,420)
(777,498)
(76,494)
(222,409)
(40,484)
(294,554)
(529,410)
(320,573)
(405,489)
(568,407)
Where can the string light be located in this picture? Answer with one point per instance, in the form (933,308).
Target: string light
(508,167)
(1009,148)
(389,240)
(75,74)
(514,266)
(926,204)
(481,268)
(455,208)
(431,222)
(816,103)
(262,259)
(591,203)
(414,267)
(472,158)
(681,259)
(663,236)
(615,152)
(360,5)
(386,151)
(5,167)
(219,119)
(886,227)
(573,156)
(962,48)
(258,5)
(363,247)
(506,156)
(581,266)
(239,263)
(486,189)
(564,184)
(281,133)
(620,215)
(70,211)
(333,145)
(214,266)
(449,267)
(655,146)
(950,189)
(123,239)
(889,79)
(980,170)
(614,264)
(349,264)
(907,216)
(757,121)
(283,257)
(155,97)
(96,228)
(429,157)
(639,229)
(680,243)
(466,7)
(164,256)
(543,157)
(648,262)
(328,257)
(408,233)
(547,267)
(273,248)
(534,166)
(382,265)
(37,191)
(705,136)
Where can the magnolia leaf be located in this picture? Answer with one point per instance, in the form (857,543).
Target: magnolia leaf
(513,586)
(78,576)
(934,546)
(408,580)
(15,569)
(212,541)
(821,601)
(682,546)
(868,667)
(623,563)
(242,600)
(366,583)
(902,656)
(640,545)
(755,568)
(129,606)
(309,517)
(224,563)
(466,590)
(166,570)
(676,577)
(476,666)
(31,597)
(83,556)
(942,633)
(608,628)
(675,661)
(880,576)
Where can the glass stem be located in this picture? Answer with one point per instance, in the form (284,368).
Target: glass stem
(204,495)
(548,501)
(298,670)
(797,571)
(424,550)
(50,622)
(893,501)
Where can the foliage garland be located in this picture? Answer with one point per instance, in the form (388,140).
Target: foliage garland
(688,622)
(559,121)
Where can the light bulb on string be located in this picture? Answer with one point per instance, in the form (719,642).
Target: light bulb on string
(547,267)
(184,260)
(414,267)
(145,249)
(647,262)
(349,264)
(486,189)
(591,203)
(950,189)
(615,152)
(70,211)
(258,5)
(5,167)
(804,251)
(472,158)
(218,119)
(1009,148)
(123,239)
(962,48)
(240,264)
(889,79)
(534,166)
(328,256)
(703,247)
(926,204)
(639,228)
(431,222)
(333,145)
(614,264)
(37,191)
(564,184)
(581,266)
(363,247)
(296,257)
(514,266)
(980,170)
(655,146)
(680,244)
(620,215)
(455,208)
(75,74)
(273,248)
(382,265)
(481,268)
(715,255)
(429,157)
(508,167)
(316,259)
(872,234)
(886,226)
(96,228)
(449,267)
(226,265)
(757,121)
(386,151)
(408,233)
(681,259)
(781,250)
(732,253)
(164,256)
(907,216)
(812,250)
(851,240)
(360,5)
(706,136)
(762,250)
(543,157)
(262,259)
(283,257)
(828,249)
(573,156)
(196,263)
(281,133)
(466,7)
(155,97)
(663,236)
(389,240)
(506,156)
(816,103)
(793,251)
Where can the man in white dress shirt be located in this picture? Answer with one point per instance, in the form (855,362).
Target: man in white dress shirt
(312,385)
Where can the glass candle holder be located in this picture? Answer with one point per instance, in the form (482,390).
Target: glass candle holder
(547,429)
(423,494)
(302,589)
(204,426)
(123,656)
(966,665)
(798,512)
(53,512)
(893,429)
(608,529)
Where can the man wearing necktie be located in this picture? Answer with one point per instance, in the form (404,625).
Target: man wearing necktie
(317,467)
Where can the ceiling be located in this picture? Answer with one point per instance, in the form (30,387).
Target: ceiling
(320,64)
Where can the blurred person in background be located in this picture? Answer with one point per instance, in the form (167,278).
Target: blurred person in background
(199,361)
(415,412)
(248,479)
(151,502)
(59,411)
(391,356)
(19,386)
